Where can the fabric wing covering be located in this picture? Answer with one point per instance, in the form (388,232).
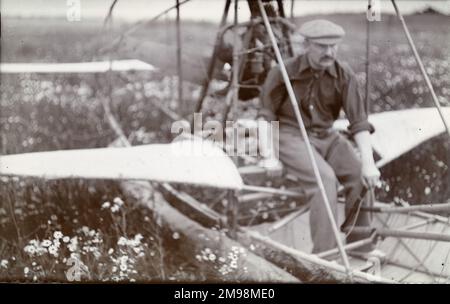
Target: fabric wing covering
(193,162)
(397,132)
(77,67)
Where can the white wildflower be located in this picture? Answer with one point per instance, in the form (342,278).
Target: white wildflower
(123,259)
(57,235)
(114,208)
(72,246)
(46,243)
(30,249)
(26,270)
(106,205)
(53,250)
(233,264)
(4,264)
(118,201)
(66,239)
(34,243)
(122,241)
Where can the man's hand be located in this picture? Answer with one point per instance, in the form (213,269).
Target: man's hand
(273,166)
(371,175)
(370,172)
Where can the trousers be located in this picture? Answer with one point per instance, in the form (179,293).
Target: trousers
(338,163)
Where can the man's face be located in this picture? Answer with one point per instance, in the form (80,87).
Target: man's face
(321,56)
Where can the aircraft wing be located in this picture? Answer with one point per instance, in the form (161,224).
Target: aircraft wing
(77,67)
(397,132)
(193,162)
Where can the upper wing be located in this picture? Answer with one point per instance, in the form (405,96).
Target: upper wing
(78,67)
(397,132)
(191,161)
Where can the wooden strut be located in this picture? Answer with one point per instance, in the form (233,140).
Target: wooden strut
(368,41)
(322,266)
(294,103)
(232,97)
(420,64)
(370,239)
(212,62)
(423,208)
(273,191)
(383,232)
(181,104)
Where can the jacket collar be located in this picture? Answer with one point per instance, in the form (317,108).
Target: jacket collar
(303,64)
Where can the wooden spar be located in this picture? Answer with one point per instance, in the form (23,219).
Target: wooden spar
(179,62)
(368,40)
(423,208)
(236,71)
(439,218)
(421,214)
(284,28)
(421,67)
(273,191)
(383,232)
(307,267)
(286,220)
(369,240)
(212,62)
(106,102)
(418,224)
(251,170)
(350,246)
(269,193)
(295,106)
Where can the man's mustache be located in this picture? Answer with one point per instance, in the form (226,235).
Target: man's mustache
(327,58)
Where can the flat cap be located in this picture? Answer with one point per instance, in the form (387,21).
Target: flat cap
(322,31)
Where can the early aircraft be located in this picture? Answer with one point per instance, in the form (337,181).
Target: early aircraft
(196,162)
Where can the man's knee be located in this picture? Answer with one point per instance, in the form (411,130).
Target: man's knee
(329,178)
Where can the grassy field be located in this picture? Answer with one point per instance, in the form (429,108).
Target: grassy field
(45,224)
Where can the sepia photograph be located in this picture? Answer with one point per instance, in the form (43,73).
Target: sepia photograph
(225,141)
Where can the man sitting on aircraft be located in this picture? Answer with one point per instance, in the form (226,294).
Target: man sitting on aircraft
(323,86)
